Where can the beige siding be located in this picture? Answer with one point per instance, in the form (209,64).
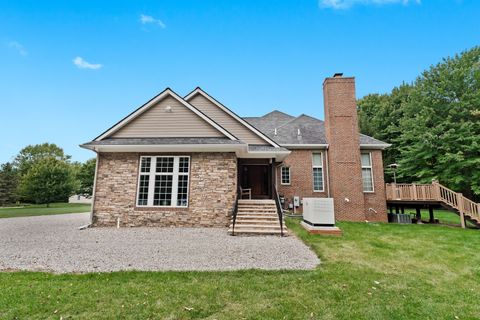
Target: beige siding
(225,120)
(156,123)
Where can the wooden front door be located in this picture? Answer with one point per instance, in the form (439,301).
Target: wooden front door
(256,177)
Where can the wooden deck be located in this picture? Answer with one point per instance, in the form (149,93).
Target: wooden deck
(405,195)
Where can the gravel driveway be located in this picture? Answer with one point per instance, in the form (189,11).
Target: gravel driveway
(53,243)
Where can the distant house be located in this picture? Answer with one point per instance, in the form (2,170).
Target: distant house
(78,198)
(186,161)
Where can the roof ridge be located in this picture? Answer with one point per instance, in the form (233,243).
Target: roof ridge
(278,111)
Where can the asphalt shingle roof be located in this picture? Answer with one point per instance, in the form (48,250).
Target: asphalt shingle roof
(161,141)
(303,129)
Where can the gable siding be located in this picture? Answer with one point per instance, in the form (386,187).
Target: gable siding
(225,120)
(155,122)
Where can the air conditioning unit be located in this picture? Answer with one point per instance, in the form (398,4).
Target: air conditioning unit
(318,211)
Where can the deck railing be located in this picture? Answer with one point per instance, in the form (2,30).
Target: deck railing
(434,192)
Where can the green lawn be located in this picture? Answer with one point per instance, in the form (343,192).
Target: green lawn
(42,210)
(375,271)
(444,216)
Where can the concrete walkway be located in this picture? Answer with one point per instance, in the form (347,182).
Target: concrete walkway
(53,243)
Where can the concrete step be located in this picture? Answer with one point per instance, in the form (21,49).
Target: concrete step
(256,210)
(257,221)
(257,232)
(259,206)
(256,207)
(257,226)
(257,217)
(248,201)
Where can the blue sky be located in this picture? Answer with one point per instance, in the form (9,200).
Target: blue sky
(71,69)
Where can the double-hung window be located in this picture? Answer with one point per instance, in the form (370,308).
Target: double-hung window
(317,164)
(163,181)
(367,173)
(285,175)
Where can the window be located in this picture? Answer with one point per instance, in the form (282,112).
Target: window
(367,174)
(163,181)
(317,162)
(285,175)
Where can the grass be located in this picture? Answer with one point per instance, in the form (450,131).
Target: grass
(444,216)
(42,210)
(374,271)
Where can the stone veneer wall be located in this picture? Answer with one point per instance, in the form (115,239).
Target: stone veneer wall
(212,192)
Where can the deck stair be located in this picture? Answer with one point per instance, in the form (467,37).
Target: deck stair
(467,209)
(257,217)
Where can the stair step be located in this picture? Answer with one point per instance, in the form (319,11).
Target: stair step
(259,214)
(258,217)
(256,221)
(256,209)
(248,201)
(257,226)
(258,232)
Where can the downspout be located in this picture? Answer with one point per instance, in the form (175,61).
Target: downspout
(328,173)
(94,189)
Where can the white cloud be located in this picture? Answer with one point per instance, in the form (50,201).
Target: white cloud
(82,64)
(347,4)
(17,47)
(144,19)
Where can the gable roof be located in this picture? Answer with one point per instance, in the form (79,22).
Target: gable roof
(243,122)
(269,121)
(152,102)
(302,131)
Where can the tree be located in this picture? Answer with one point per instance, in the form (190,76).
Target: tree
(433,124)
(48,179)
(441,125)
(85,175)
(8,184)
(29,155)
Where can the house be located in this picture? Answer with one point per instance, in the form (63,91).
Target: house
(191,161)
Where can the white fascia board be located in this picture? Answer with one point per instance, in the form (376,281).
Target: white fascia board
(375,146)
(232,114)
(278,155)
(156,100)
(306,146)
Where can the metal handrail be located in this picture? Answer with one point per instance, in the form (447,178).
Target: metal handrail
(279,208)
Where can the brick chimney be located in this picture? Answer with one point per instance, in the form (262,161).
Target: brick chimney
(341,128)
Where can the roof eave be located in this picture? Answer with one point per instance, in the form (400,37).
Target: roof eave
(378,146)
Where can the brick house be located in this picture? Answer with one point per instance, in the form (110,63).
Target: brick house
(191,161)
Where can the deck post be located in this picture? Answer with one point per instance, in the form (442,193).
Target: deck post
(418,215)
(402,209)
(460,209)
(430,212)
(414,191)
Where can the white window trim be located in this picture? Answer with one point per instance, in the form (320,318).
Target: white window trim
(371,170)
(289,176)
(323,173)
(151,184)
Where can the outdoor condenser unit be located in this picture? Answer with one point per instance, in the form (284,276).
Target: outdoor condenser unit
(318,212)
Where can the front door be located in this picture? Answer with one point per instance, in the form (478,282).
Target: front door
(256,177)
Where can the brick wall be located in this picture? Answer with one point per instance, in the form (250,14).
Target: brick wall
(376,200)
(301,176)
(213,185)
(341,128)
(301,184)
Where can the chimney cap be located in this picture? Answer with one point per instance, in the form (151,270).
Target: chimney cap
(338,75)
